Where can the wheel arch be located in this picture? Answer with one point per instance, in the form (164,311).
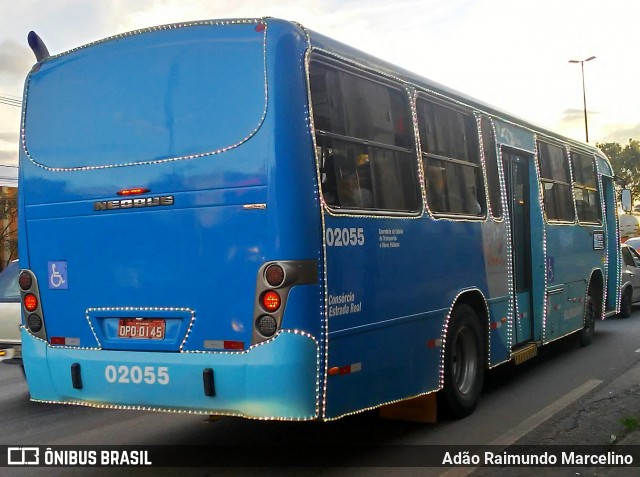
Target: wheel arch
(595,289)
(474,298)
(625,286)
(462,366)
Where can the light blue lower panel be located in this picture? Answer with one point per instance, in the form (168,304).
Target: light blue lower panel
(275,380)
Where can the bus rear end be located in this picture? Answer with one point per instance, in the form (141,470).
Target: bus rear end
(156,273)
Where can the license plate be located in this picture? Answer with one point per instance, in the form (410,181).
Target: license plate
(141,329)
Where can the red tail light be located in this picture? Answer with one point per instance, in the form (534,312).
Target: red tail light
(30,302)
(25,281)
(271,301)
(274,274)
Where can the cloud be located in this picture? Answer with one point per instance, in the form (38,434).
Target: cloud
(15,60)
(573,117)
(621,133)
(9,137)
(9,157)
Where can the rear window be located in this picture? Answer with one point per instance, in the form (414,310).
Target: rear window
(151,96)
(9,291)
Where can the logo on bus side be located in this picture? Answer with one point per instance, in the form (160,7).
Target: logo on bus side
(133,203)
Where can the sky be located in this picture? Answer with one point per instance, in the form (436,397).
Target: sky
(512,54)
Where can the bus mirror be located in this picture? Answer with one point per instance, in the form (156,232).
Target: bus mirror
(625,197)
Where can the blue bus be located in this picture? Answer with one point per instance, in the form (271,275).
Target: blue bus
(247,218)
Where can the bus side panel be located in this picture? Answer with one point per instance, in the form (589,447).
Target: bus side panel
(499,340)
(387,302)
(570,260)
(495,250)
(384,364)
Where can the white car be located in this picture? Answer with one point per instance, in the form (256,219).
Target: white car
(630,288)
(633,242)
(10,312)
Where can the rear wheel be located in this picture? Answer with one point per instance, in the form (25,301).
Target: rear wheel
(463,363)
(626,305)
(589,328)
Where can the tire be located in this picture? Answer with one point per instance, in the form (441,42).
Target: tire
(626,305)
(589,328)
(463,363)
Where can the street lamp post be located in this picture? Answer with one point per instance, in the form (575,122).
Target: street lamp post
(584,94)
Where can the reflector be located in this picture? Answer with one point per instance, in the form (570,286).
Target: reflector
(238,345)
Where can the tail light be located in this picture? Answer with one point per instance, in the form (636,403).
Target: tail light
(30,302)
(274,275)
(25,281)
(271,301)
(274,283)
(34,319)
(267,326)
(34,322)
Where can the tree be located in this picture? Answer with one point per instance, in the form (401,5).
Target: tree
(625,161)
(8,225)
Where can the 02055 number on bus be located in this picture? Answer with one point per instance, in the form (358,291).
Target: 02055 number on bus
(136,374)
(337,237)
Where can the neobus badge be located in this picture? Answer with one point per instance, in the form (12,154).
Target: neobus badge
(133,203)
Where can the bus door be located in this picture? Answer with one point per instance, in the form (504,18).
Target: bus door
(516,168)
(613,248)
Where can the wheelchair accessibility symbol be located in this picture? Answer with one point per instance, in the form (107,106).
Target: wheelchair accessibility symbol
(58,276)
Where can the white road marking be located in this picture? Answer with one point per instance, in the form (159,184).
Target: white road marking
(531,423)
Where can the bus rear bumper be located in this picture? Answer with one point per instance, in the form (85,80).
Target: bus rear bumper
(274,380)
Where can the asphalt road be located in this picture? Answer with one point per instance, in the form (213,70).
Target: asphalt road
(516,403)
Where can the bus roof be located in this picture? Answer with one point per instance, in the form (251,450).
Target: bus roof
(341,50)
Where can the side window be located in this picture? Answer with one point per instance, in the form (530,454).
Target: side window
(450,151)
(586,188)
(627,257)
(491,163)
(365,141)
(556,182)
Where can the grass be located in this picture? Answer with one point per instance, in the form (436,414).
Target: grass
(630,423)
